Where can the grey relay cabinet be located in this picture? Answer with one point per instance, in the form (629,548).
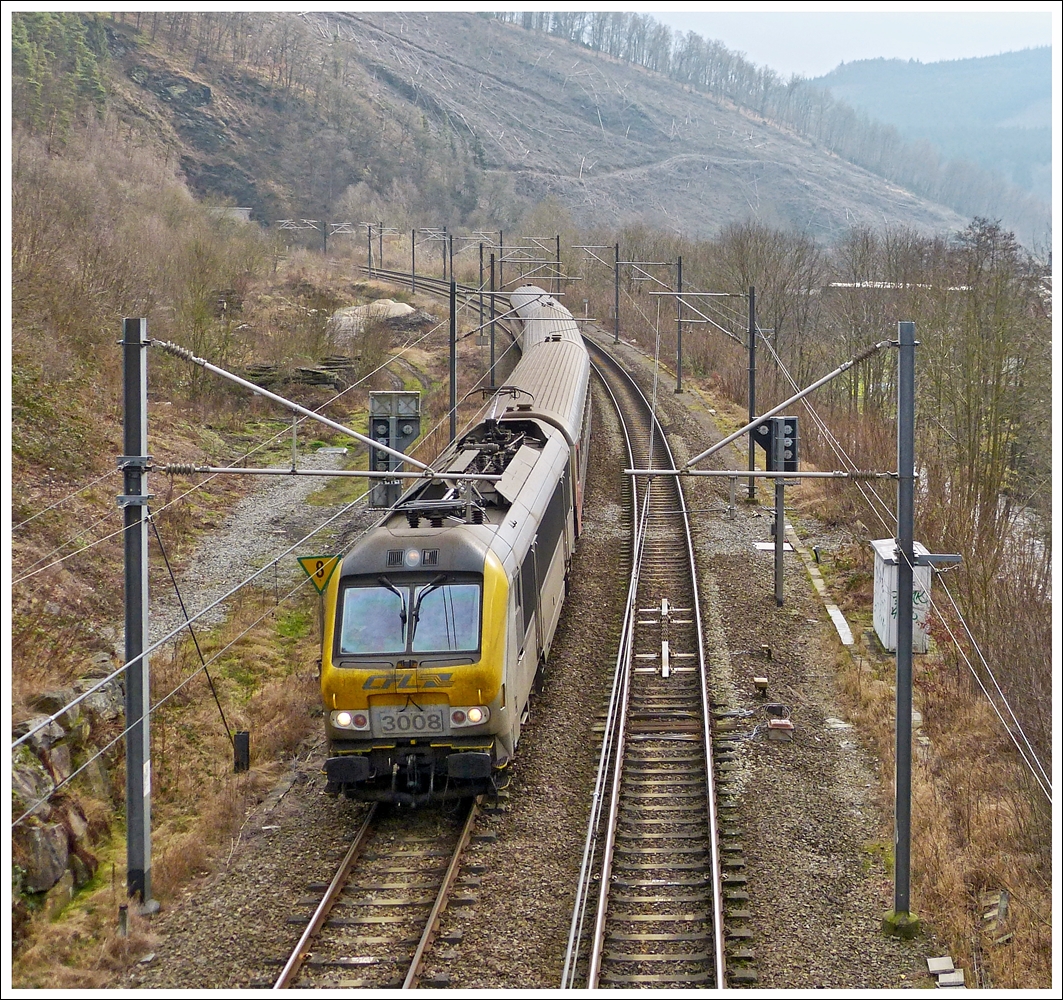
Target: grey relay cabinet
(885,606)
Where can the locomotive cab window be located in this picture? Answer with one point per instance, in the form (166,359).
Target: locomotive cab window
(374,620)
(396,616)
(446,618)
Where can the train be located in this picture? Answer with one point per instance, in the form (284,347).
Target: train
(439,622)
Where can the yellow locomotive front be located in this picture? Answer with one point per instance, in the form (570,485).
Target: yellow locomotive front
(413,666)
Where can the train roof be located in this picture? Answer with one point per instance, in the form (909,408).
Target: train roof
(543,317)
(550,381)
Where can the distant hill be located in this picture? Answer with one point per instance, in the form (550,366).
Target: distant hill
(994,111)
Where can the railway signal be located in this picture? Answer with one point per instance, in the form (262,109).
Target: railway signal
(395,422)
(778,430)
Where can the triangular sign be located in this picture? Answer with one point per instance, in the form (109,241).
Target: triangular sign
(319,569)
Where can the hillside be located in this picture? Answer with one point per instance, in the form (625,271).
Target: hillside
(994,111)
(477,120)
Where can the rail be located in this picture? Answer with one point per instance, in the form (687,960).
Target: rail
(656,706)
(396,950)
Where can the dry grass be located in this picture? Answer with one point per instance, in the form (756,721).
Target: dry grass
(973,833)
(83,950)
(266,682)
(979,826)
(267,686)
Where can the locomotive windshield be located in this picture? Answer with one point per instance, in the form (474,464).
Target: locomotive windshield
(447,618)
(374,620)
(393,617)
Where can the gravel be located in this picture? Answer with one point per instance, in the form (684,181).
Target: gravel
(808,816)
(263,524)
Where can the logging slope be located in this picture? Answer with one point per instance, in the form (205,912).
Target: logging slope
(470,120)
(612,141)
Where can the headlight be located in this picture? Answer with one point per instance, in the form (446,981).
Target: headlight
(350,720)
(477,715)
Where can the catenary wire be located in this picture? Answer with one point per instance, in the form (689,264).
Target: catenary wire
(35,568)
(190,620)
(204,664)
(180,628)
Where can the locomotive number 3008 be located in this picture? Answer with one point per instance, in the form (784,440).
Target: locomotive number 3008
(396,722)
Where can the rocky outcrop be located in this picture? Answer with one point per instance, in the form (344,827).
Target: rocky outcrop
(51,840)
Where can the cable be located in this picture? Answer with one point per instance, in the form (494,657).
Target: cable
(199,613)
(33,572)
(70,541)
(180,628)
(1018,725)
(191,631)
(184,683)
(1043,779)
(1046,790)
(152,709)
(190,619)
(70,496)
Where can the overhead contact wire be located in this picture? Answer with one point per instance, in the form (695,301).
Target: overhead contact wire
(200,485)
(162,701)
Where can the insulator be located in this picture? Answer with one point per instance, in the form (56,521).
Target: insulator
(181,352)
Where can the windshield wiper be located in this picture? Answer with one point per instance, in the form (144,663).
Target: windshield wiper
(434,584)
(398,593)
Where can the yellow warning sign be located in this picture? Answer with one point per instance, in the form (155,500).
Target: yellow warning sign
(319,569)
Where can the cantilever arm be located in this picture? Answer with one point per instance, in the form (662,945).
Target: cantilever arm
(183,352)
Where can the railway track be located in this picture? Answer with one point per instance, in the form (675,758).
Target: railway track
(377,918)
(649,907)
(436,286)
(649,910)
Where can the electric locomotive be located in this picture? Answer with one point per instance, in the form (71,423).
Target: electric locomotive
(440,619)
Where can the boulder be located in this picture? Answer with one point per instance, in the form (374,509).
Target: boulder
(55,703)
(96,775)
(30,783)
(46,731)
(42,851)
(75,821)
(57,757)
(104,705)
